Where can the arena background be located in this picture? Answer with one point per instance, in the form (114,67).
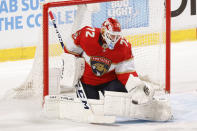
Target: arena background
(20,22)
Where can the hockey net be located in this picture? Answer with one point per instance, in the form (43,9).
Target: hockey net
(145,24)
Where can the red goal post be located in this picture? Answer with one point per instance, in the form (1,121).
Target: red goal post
(168,43)
(48,5)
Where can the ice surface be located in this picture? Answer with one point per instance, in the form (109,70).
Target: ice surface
(23,115)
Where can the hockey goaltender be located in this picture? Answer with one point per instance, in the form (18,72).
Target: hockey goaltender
(99,62)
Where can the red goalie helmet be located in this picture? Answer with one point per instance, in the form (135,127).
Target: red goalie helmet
(111,32)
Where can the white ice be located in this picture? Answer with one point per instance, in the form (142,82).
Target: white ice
(25,115)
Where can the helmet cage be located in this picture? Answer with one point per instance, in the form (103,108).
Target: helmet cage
(111,38)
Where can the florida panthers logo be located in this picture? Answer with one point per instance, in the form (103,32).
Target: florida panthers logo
(100,65)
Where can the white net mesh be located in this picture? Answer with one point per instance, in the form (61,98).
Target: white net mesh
(143,24)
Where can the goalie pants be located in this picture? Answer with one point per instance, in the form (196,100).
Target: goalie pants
(92,92)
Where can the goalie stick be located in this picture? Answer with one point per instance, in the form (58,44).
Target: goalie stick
(57,31)
(78,86)
(92,118)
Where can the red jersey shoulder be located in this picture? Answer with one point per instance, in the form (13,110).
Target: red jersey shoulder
(90,34)
(125,48)
(86,35)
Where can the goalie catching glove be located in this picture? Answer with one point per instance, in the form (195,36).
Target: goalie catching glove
(139,90)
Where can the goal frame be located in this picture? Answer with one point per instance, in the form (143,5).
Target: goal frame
(47,6)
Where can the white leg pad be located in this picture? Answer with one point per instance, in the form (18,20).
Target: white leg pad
(66,107)
(120,104)
(51,106)
(117,104)
(155,110)
(54,81)
(72,108)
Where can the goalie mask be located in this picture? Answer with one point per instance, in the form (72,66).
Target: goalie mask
(111,32)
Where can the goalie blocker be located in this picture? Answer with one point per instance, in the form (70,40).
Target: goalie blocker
(72,70)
